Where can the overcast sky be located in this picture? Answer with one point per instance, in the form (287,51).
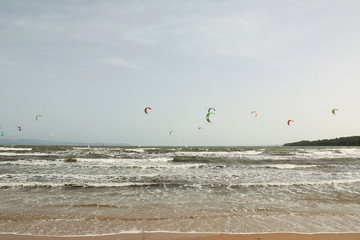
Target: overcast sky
(91,67)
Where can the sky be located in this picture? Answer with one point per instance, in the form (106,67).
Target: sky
(92,67)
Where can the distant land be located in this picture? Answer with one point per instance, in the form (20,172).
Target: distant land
(7,141)
(342,141)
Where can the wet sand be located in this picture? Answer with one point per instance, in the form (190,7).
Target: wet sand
(195,236)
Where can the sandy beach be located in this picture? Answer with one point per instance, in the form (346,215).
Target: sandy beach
(195,236)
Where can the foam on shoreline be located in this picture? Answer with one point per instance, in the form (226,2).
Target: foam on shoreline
(194,236)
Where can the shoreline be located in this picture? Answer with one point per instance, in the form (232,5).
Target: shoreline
(194,236)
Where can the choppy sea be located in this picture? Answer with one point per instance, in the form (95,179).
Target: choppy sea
(70,190)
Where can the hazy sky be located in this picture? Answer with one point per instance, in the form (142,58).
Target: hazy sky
(91,67)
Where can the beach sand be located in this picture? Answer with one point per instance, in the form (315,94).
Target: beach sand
(195,236)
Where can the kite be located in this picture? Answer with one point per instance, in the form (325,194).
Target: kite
(170,132)
(19,127)
(288,122)
(208,115)
(146,109)
(37,117)
(209,110)
(333,111)
(2,133)
(199,128)
(255,113)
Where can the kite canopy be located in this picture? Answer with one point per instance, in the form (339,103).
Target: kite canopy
(146,109)
(170,132)
(288,122)
(254,113)
(37,117)
(333,111)
(209,110)
(208,115)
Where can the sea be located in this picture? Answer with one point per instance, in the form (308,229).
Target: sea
(76,190)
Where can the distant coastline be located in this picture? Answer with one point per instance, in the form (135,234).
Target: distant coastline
(342,141)
(8,141)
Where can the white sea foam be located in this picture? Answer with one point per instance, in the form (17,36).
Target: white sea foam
(331,153)
(14,149)
(160,159)
(135,150)
(72,184)
(155,163)
(24,154)
(124,160)
(101,160)
(260,155)
(288,166)
(29,162)
(255,155)
(299,183)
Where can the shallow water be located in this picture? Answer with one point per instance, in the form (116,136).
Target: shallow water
(70,190)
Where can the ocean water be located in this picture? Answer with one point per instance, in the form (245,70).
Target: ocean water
(69,190)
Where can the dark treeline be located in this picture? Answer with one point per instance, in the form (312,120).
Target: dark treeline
(343,141)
